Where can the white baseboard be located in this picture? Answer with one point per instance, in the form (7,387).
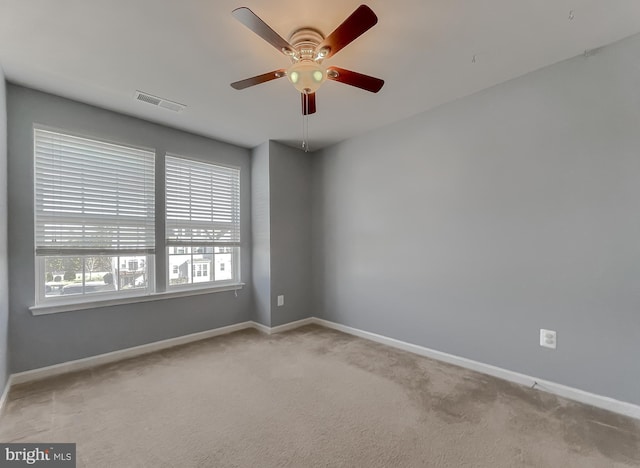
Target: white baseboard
(283,328)
(261,328)
(5,393)
(292,325)
(92,361)
(107,358)
(616,406)
(620,407)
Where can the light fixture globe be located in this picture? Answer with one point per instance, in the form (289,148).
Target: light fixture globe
(306,76)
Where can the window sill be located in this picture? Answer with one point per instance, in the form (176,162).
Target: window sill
(45,309)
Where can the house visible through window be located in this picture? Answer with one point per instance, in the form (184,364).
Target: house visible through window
(202,222)
(94,218)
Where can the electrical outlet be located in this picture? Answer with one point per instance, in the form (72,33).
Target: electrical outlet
(281,300)
(548,338)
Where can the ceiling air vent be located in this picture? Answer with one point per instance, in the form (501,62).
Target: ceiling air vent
(160,102)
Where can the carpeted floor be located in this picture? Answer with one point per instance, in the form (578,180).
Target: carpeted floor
(311,397)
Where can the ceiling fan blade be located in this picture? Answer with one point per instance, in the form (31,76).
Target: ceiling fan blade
(308,103)
(242,84)
(355,25)
(262,29)
(366,82)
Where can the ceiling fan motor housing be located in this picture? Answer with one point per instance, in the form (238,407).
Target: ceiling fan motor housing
(305,41)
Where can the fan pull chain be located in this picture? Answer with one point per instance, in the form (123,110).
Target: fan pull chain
(305,124)
(306,133)
(304,140)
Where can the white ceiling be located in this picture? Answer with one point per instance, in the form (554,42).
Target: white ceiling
(188,51)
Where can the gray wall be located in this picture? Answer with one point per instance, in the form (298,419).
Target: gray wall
(281,225)
(290,182)
(468,228)
(4,262)
(261,234)
(38,341)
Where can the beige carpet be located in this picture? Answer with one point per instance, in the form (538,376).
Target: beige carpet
(310,398)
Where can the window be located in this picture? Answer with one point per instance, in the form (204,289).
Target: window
(203,222)
(94,212)
(201,270)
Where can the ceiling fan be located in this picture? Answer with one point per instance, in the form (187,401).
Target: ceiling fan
(307,48)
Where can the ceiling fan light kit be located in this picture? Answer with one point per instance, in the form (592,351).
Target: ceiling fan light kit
(306,76)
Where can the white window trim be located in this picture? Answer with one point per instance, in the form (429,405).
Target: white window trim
(237,248)
(81,300)
(51,305)
(46,309)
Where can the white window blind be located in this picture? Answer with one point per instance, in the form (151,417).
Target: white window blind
(92,197)
(202,203)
